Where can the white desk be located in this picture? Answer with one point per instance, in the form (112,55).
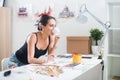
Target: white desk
(89,69)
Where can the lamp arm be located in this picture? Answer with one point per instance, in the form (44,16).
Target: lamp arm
(98,20)
(102,41)
(104,25)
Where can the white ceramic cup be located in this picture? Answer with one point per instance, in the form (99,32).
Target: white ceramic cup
(56,31)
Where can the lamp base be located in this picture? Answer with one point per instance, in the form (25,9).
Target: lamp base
(99,57)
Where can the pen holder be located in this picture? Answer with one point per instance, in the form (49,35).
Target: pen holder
(76,58)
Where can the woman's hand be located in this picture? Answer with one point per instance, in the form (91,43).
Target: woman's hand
(57,37)
(50,58)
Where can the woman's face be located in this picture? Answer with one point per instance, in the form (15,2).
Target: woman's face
(50,26)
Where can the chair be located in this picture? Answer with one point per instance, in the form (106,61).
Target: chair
(4,63)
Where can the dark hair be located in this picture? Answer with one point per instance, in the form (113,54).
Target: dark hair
(44,20)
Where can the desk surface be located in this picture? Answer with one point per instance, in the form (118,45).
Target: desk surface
(69,73)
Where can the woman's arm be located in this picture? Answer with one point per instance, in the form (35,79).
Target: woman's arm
(52,47)
(57,38)
(31,50)
(53,44)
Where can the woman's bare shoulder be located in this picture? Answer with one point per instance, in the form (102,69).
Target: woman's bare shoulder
(32,37)
(34,34)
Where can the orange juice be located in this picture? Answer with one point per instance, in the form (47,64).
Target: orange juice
(77,58)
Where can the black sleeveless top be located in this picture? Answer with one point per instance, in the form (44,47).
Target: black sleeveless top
(21,54)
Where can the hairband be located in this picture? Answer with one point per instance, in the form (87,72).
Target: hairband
(45,12)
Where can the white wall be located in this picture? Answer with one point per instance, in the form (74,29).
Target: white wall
(22,27)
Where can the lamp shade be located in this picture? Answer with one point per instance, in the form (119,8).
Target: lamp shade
(81,18)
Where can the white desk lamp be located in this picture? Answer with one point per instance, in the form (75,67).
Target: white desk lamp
(82,19)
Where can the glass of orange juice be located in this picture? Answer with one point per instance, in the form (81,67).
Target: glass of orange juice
(76,58)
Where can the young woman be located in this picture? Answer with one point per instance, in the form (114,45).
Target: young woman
(37,44)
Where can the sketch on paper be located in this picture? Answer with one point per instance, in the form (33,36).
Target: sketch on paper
(66,13)
(22,12)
